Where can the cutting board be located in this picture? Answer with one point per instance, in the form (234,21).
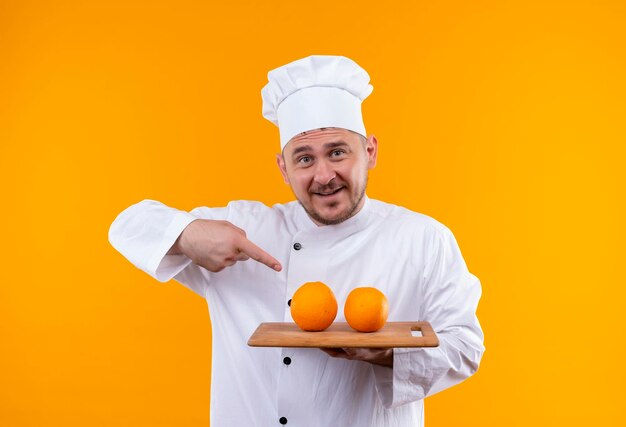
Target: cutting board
(340,334)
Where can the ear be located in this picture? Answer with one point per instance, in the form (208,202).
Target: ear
(371,148)
(283,169)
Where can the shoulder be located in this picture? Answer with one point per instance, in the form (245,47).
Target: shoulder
(251,211)
(251,207)
(236,207)
(260,221)
(398,216)
(420,233)
(248,207)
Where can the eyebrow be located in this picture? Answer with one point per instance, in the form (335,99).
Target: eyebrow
(328,145)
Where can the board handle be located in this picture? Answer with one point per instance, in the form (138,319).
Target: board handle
(428,333)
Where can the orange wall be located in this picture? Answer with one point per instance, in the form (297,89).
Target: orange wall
(503,120)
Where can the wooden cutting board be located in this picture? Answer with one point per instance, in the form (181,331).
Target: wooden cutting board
(340,334)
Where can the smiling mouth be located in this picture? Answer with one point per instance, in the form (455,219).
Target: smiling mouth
(329,194)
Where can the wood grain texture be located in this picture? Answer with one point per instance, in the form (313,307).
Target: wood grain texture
(340,334)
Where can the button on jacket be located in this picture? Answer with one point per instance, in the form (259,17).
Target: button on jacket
(413,259)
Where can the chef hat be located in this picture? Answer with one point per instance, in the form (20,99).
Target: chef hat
(316,92)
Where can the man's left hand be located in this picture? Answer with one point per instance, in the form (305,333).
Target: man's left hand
(377,356)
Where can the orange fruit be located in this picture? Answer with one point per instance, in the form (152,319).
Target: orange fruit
(313,306)
(366,309)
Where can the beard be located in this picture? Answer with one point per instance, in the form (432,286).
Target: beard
(353,202)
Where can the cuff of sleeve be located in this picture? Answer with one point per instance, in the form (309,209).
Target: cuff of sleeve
(162,266)
(402,384)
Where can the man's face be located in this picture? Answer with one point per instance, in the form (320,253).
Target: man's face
(327,171)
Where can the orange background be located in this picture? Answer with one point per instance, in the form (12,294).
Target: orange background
(503,120)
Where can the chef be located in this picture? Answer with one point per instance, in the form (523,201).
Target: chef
(247,259)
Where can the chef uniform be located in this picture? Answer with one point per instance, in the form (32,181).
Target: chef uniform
(412,258)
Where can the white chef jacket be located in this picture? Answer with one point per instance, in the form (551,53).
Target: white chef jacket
(413,259)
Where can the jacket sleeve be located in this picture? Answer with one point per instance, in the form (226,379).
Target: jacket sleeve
(145,231)
(450,298)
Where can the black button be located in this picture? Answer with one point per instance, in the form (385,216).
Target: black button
(297,246)
(287,360)
(282,420)
(289,303)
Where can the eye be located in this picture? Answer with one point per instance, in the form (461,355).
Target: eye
(305,160)
(337,153)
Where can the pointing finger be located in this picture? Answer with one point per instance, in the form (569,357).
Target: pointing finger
(258,254)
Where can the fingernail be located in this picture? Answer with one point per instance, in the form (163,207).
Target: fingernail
(277,267)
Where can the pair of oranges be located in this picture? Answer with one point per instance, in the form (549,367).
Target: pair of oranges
(314,308)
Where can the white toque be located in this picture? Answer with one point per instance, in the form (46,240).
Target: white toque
(315,92)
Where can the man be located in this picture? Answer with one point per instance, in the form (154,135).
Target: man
(335,234)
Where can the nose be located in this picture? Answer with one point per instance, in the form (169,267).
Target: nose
(324,173)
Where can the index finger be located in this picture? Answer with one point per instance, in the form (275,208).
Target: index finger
(258,254)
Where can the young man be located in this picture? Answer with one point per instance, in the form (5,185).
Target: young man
(333,233)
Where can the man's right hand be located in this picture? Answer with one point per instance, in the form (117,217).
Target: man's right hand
(216,245)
